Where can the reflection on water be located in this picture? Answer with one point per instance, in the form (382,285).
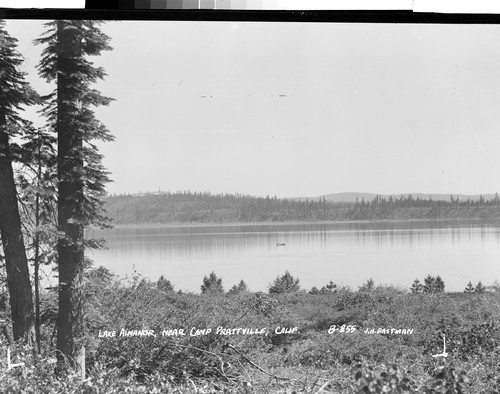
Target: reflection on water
(349,253)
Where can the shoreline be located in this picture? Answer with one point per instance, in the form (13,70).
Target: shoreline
(295,223)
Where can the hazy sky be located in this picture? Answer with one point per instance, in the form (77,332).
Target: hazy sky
(297,109)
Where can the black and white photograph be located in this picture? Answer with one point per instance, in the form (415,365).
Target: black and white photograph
(245,206)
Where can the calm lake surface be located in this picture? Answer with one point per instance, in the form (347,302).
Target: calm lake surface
(348,253)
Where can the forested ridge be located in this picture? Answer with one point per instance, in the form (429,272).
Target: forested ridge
(204,207)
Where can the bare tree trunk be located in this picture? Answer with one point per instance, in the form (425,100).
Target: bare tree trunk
(16,262)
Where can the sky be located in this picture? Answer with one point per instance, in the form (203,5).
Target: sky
(296,109)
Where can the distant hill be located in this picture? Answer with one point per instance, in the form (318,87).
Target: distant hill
(352,196)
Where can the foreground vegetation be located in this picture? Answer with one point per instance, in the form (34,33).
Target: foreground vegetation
(334,340)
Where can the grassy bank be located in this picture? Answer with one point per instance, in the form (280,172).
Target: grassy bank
(339,342)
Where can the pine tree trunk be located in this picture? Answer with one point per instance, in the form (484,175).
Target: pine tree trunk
(16,262)
(70,196)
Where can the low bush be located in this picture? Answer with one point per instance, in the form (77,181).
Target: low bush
(388,380)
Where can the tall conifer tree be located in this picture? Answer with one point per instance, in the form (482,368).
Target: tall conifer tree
(81,175)
(37,187)
(14,92)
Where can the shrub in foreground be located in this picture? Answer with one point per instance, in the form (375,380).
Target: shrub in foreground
(445,379)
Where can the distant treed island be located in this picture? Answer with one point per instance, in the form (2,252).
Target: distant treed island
(204,207)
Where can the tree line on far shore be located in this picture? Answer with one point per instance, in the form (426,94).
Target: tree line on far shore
(204,207)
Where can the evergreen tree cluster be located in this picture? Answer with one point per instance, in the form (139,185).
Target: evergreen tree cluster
(330,287)
(241,287)
(58,180)
(479,289)
(431,285)
(285,283)
(14,94)
(212,284)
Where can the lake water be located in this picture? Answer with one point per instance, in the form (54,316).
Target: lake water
(348,253)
